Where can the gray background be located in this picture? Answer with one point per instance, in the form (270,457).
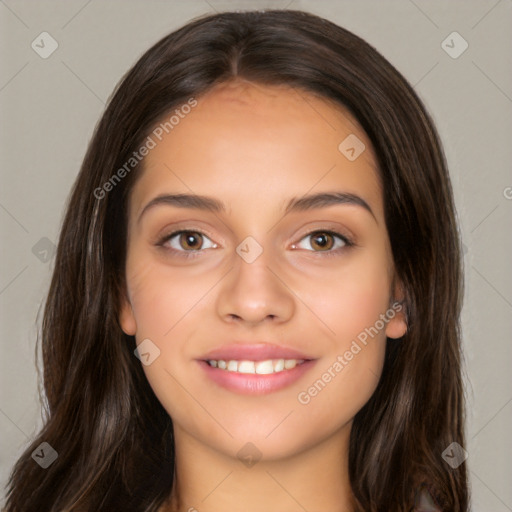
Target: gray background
(50,106)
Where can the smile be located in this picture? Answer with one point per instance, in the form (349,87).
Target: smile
(255,377)
(256,367)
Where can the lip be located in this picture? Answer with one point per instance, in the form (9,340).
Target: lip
(254,352)
(254,384)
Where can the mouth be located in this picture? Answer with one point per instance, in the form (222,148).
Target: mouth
(255,369)
(266,367)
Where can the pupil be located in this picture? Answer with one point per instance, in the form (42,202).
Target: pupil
(321,240)
(191,240)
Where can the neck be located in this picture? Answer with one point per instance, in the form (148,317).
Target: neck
(315,479)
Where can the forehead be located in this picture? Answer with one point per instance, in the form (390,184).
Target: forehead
(255,145)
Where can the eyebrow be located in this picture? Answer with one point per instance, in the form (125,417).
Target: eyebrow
(304,203)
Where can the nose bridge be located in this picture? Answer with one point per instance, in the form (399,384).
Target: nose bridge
(253,268)
(253,291)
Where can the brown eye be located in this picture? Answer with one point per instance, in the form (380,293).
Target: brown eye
(324,241)
(187,241)
(190,240)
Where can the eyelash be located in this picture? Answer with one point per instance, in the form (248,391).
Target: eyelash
(194,253)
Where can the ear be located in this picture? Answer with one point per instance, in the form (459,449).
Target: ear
(396,326)
(127,318)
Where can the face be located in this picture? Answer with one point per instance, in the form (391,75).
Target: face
(261,272)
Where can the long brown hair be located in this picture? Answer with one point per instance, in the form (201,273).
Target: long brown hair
(113,437)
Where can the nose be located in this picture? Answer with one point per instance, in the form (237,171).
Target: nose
(255,292)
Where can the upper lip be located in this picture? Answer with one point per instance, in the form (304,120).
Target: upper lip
(253,352)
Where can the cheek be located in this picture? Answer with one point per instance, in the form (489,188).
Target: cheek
(162,298)
(349,298)
(351,301)
(167,306)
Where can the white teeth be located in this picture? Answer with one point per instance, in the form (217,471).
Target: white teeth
(256,367)
(264,367)
(232,366)
(245,367)
(279,365)
(289,364)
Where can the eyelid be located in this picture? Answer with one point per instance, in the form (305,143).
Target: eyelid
(178,231)
(181,227)
(328,227)
(347,241)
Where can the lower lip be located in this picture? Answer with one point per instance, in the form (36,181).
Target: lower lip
(254,384)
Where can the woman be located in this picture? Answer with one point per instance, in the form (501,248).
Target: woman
(256,297)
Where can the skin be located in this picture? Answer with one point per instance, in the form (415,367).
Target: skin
(255,147)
